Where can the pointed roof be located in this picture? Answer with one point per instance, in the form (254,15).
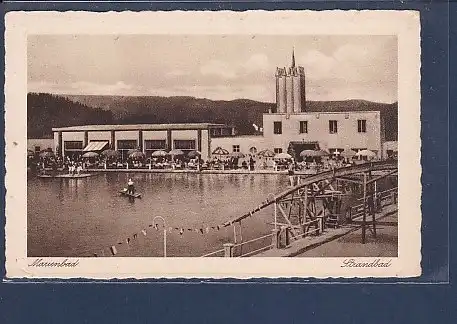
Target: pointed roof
(293,57)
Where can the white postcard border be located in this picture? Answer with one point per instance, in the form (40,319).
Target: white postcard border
(404,24)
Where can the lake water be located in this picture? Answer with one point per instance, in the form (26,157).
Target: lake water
(69,217)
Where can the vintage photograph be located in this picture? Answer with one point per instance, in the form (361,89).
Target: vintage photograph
(224,145)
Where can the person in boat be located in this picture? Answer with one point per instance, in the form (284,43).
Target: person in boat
(130,187)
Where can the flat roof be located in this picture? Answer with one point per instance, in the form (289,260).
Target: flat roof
(326,112)
(136,127)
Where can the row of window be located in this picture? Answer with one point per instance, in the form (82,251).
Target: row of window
(332,126)
(133,144)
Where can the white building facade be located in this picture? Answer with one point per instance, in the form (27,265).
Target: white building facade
(75,140)
(335,131)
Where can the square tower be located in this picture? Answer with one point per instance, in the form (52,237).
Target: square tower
(290,89)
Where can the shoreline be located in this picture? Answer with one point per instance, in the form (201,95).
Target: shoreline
(255,172)
(285,172)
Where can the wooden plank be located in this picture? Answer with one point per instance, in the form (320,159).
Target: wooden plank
(288,221)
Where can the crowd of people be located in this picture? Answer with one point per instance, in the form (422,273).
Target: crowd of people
(76,164)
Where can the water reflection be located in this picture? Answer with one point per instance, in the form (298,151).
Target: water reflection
(71,217)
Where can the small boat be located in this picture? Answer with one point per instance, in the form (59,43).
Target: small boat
(126,193)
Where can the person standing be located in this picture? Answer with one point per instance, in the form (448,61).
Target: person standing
(251,164)
(130,187)
(291,174)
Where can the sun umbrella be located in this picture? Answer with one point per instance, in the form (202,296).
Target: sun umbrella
(136,155)
(193,154)
(266,153)
(159,153)
(348,153)
(110,153)
(238,155)
(220,151)
(308,153)
(46,154)
(129,152)
(283,156)
(366,153)
(90,155)
(176,152)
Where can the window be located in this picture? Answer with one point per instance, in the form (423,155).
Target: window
(72,149)
(277,150)
(333,126)
(221,131)
(155,145)
(277,127)
(123,146)
(184,144)
(236,148)
(362,126)
(37,148)
(216,131)
(303,126)
(126,144)
(73,145)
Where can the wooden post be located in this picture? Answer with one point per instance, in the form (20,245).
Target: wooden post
(228,250)
(275,239)
(373,208)
(306,204)
(364,207)
(276,214)
(321,225)
(286,235)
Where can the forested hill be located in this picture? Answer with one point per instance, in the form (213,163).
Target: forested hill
(241,113)
(45,111)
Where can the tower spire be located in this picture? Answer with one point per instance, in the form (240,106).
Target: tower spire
(293,57)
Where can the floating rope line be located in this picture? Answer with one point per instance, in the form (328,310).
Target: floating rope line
(201,230)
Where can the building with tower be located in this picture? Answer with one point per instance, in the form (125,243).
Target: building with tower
(289,128)
(292,128)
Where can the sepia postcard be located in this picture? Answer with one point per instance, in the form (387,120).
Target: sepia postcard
(280,144)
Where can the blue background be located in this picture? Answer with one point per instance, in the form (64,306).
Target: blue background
(419,301)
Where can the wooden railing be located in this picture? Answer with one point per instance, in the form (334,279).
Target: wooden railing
(387,197)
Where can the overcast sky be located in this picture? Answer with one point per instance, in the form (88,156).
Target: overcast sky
(214,67)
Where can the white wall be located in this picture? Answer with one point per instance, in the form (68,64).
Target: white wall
(318,130)
(205,141)
(184,135)
(56,140)
(245,143)
(43,143)
(155,135)
(99,136)
(127,135)
(72,136)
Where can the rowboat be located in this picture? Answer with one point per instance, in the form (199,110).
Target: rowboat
(125,192)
